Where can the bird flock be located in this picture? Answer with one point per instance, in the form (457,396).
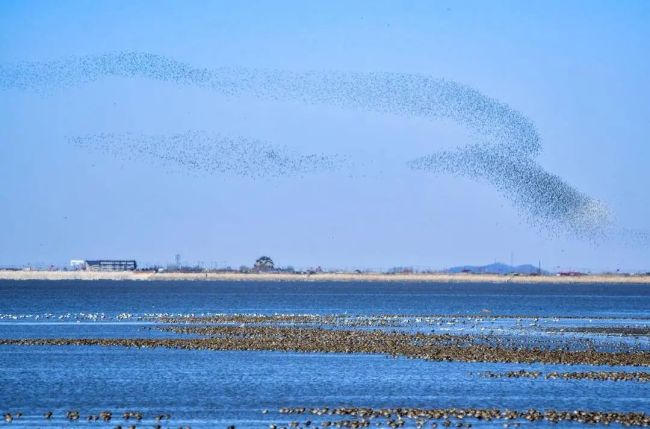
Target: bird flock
(543,198)
(503,152)
(204,152)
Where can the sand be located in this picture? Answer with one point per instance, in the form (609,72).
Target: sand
(321,277)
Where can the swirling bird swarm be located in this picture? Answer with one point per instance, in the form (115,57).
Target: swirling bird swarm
(544,198)
(395,93)
(203,152)
(504,152)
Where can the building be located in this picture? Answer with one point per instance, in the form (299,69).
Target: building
(78,264)
(111,265)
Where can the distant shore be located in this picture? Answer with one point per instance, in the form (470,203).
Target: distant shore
(321,277)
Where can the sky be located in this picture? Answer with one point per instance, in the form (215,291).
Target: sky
(576,70)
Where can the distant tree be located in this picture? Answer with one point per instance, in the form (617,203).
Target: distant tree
(264,263)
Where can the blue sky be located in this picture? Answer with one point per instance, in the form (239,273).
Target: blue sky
(578,70)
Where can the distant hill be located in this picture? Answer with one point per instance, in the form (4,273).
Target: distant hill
(496,268)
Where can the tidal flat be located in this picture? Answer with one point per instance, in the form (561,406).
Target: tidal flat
(131,354)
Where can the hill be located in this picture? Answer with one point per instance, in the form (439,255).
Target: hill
(496,268)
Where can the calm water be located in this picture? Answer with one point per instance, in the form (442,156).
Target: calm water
(215,389)
(110,297)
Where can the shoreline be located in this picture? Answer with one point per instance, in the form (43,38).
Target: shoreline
(322,277)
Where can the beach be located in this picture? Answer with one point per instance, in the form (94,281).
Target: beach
(322,277)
